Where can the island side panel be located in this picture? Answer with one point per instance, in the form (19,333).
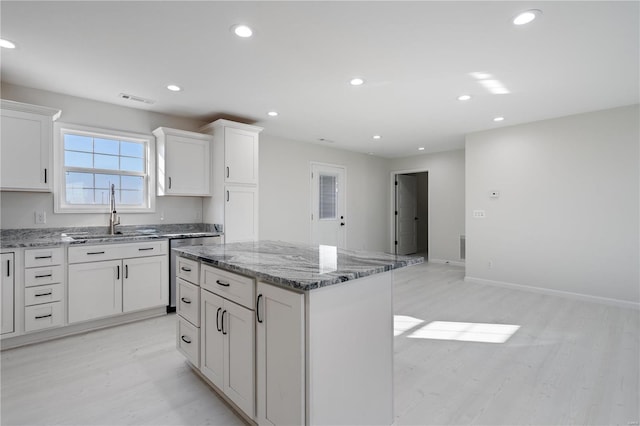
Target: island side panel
(350,352)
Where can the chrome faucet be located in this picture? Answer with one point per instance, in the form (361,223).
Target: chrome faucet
(113,219)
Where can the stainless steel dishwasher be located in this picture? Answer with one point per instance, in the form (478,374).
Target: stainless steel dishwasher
(181,242)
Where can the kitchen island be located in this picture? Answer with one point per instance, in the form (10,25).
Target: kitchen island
(290,333)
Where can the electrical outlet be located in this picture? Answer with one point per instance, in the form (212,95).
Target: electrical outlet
(479,214)
(41,217)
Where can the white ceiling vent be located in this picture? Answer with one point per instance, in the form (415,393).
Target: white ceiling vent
(136,98)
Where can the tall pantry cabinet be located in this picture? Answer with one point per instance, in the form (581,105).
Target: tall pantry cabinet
(235,179)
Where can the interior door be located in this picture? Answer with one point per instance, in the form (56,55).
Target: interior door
(328,205)
(406,214)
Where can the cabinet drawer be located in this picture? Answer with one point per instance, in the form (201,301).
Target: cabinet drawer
(116,251)
(188,269)
(188,341)
(42,294)
(188,302)
(42,316)
(43,257)
(40,276)
(237,288)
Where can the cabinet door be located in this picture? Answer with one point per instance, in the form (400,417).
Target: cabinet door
(7,292)
(239,361)
(24,152)
(240,156)
(95,290)
(280,356)
(240,214)
(187,165)
(146,283)
(211,338)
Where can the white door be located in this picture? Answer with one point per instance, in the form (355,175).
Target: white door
(95,290)
(328,205)
(406,215)
(239,356)
(7,292)
(240,156)
(145,284)
(241,213)
(211,337)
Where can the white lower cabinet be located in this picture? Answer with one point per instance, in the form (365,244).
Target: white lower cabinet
(227,345)
(114,286)
(280,354)
(43,288)
(7,293)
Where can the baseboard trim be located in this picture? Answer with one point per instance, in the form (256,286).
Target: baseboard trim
(548,291)
(447,262)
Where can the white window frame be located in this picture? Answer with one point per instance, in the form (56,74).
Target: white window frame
(59,192)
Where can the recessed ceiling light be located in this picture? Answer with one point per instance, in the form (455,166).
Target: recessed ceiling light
(498,119)
(272,113)
(421,148)
(174,88)
(464,97)
(242,31)
(526,17)
(357,81)
(7,44)
(377,136)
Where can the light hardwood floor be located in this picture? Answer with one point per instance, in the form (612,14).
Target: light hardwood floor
(570,362)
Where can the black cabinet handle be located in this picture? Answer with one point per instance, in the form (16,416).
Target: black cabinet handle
(223,330)
(184,339)
(44,276)
(227,171)
(95,252)
(258,308)
(9,267)
(184,268)
(118,272)
(222,283)
(169,182)
(45,175)
(218,320)
(145,249)
(44,316)
(126,271)
(187,301)
(44,294)
(44,257)
(227,196)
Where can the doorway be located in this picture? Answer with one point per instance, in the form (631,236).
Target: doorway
(328,205)
(410,213)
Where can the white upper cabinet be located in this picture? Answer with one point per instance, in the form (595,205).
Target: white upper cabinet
(25,151)
(240,156)
(183,162)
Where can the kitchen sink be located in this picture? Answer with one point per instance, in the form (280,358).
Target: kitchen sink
(83,236)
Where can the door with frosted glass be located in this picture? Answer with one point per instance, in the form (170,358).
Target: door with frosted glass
(328,205)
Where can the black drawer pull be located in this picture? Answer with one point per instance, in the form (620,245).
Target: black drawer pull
(95,252)
(145,249)
(184,268)
(223,330)
(187,301)
(44,294)
(218,320)
(258,308)
(222,283)
(44,276)
(184,339)
(8,268)
(44,316)
(44,257)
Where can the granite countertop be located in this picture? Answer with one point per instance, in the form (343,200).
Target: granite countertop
(43,237)
(303,267)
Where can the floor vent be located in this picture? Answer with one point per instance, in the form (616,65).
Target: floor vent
(463,247)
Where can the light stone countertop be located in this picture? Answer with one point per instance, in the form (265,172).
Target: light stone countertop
(298,266)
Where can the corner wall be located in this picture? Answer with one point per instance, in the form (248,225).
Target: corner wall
(567,219)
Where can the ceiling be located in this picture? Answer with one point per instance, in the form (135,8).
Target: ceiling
(416,58)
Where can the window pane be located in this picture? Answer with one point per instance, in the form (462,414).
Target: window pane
(79,180)
(133,182)
(131,164)
(78,159)
(106,162)
(80,196)
(105,181)
(78,143)
(328,197)
(106,146)
(132,149)
(102,196)
(131,197)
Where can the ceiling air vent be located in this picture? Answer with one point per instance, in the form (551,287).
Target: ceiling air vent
(136,98)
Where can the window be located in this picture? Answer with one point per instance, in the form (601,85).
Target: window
(90,160)
(328,202)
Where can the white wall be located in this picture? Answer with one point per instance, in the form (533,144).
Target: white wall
(18,208)
(568,212)
(285,205)
(446,199)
